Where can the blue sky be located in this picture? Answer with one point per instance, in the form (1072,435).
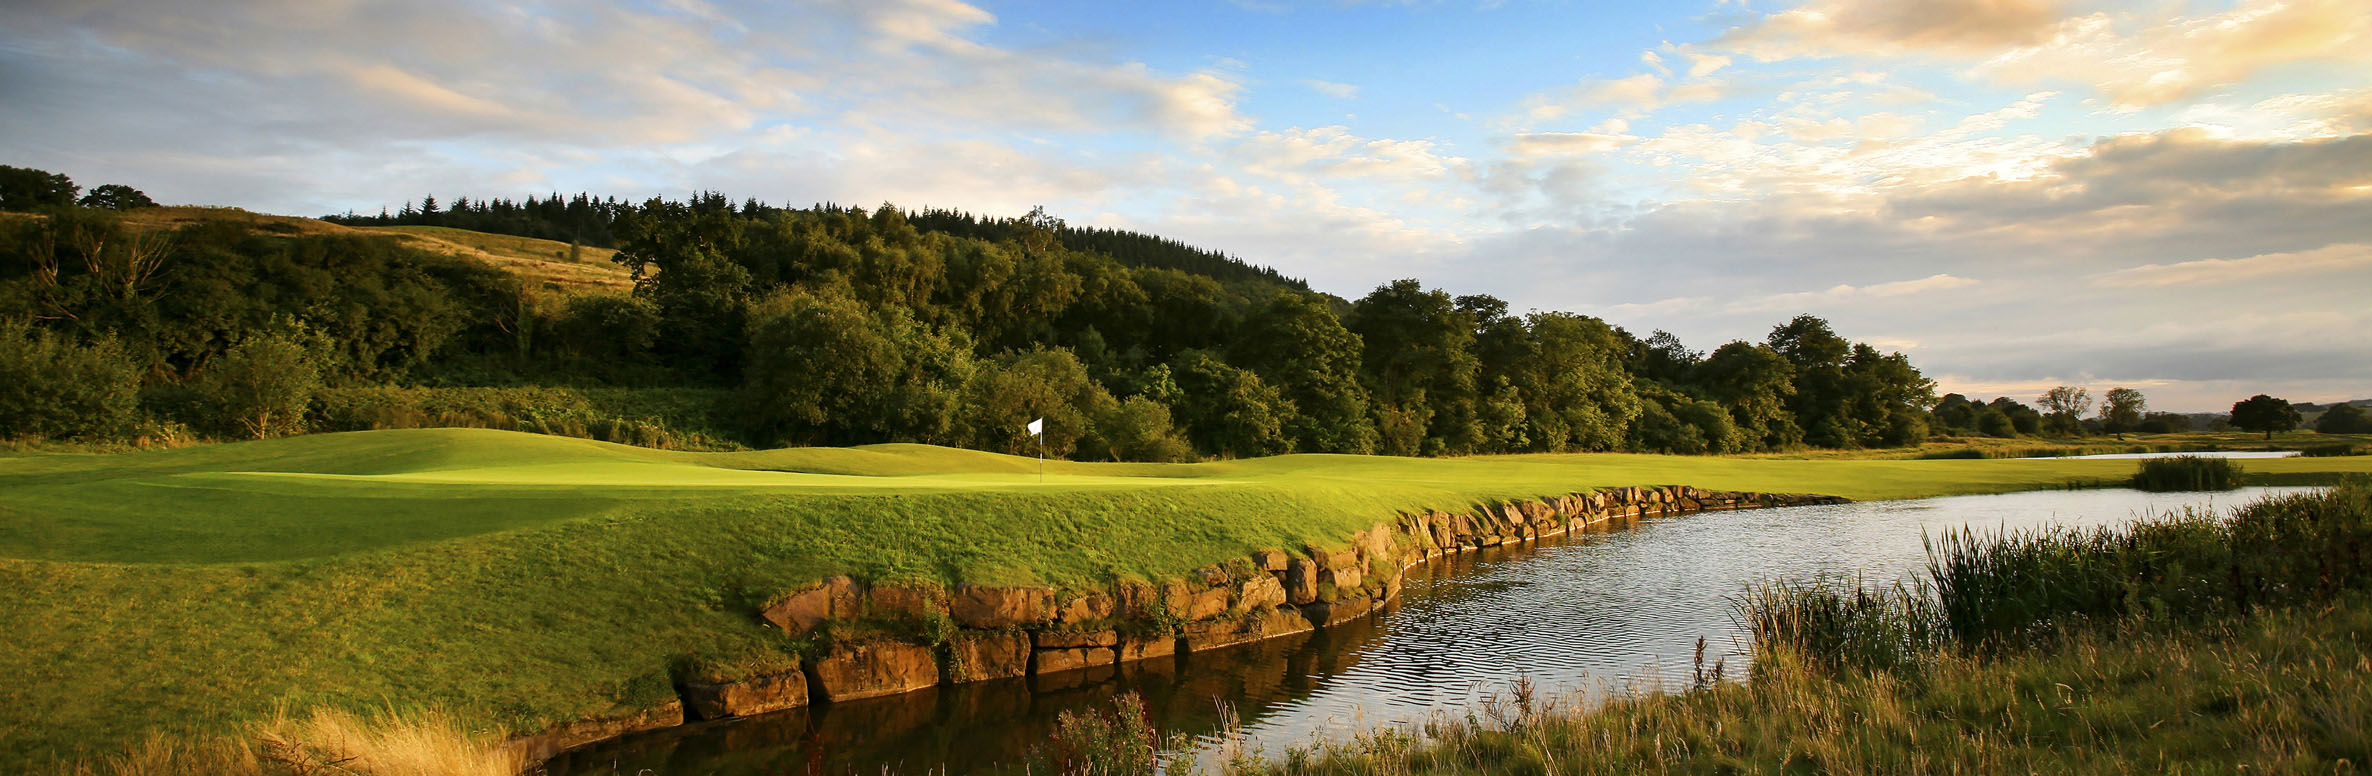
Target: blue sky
(2174,196)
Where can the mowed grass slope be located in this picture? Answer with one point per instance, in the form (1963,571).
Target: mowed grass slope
(517,579)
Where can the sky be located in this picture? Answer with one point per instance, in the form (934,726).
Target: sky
(2169,196)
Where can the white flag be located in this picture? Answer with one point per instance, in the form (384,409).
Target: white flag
(1037,427)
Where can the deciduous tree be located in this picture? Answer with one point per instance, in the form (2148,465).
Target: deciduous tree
(2265,414)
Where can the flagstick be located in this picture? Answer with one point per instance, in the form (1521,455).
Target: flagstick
(1041,459)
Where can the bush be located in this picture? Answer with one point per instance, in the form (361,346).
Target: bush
(260,388)
(2333,451)
(662,418)
(2187,473)
(52,387)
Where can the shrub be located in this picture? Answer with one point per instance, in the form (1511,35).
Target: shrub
(2187,473)
(260,388)
(53,387)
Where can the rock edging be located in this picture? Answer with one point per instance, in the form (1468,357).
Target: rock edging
(1031,631)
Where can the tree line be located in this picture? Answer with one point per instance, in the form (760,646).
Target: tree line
(836,325)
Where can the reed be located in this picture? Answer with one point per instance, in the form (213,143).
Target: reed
(2187,473)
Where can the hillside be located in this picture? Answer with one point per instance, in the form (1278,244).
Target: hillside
(518,579)
(541,263)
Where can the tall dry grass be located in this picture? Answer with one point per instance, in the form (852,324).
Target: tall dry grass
(322,742)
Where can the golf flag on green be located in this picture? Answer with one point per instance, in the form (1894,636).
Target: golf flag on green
(1038,429)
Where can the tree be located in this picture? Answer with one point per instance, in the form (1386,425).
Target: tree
(57,388)
(2163,423)
(2264,413)
(1228,411)
(2063,407)
(1051,384)
(116,196)
(1140,429)
(1296,344)
(1823,394)
(1753,383)
(260,387)
(1576,393)
(2023,419)
(2121,410)
(28,189)
(823,369)
(1418,350)
(2344,419)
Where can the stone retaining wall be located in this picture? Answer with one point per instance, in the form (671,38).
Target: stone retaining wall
(1010,632)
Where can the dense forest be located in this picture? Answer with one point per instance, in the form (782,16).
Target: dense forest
(758,325)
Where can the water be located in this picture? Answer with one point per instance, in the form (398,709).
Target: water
(1615,609)
(2197,454)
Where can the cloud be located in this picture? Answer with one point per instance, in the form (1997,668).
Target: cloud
(1842,293)
(2223,271)
(1569,143)
(1894,27)
(2135,59)
(1339,91)
(2181,58)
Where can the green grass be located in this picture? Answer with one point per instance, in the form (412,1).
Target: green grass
(515,579)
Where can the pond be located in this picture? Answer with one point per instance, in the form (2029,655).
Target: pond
(1577,615)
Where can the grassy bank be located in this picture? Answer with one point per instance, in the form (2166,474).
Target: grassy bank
(2189,645)
(516,579)
(2280,692)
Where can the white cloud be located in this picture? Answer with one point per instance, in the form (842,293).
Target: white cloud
(1845,293)
(2224,271)
(1339,91)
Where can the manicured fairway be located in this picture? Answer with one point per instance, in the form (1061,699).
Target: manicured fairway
(516,579)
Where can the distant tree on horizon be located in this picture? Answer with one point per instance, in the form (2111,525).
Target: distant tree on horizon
(24,188)
(116,196)
(2062,408)
(2344,419)
(2265,414)
(2121,410)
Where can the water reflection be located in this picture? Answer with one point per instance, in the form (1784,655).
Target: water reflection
(1615,606)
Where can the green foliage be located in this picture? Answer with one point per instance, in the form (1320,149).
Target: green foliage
(1842,624)
(28,189)
(1752,382)
(1005,395)
(1418,350)
(1229,411)
(2187,473)
(1140,429)
(55,388)
(1120,741)
(2343,418)
(663,418)
(260,388)
(2010,588)
(2121,410)
(2264,414)
(2063,409)
(824,369)
(1297,345)
(116,196)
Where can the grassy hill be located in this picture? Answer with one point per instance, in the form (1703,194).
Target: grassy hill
(543,264)
(516,579)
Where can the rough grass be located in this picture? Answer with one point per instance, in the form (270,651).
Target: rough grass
(2284,691)
(518,579)
(2191,645)
(323,742)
